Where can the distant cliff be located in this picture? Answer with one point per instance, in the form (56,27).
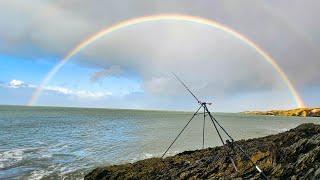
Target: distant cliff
(294,154)
(304,112)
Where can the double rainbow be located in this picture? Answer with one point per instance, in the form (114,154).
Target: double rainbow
(166,17)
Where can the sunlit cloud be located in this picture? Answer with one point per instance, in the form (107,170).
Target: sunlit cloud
(16,84)
(83,94)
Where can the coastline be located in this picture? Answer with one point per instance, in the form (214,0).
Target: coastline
(302,112)
(291,154)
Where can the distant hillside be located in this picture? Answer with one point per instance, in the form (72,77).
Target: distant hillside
(304,112)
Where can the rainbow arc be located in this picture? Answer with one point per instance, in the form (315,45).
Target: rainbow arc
(166,17)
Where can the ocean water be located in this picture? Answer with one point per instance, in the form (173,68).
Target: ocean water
(66,143)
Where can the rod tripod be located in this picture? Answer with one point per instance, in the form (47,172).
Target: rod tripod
(229,144)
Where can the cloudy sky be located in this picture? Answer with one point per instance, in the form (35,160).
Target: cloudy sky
(131,68)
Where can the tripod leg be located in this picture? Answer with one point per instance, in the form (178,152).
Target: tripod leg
(246,155)
(239,147)
(181,131)
(256,166)
(214,119)
(214,124)
(203,128)
(233,164)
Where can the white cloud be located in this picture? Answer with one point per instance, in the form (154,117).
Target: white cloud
(16,84)
(78,93)
(83,94)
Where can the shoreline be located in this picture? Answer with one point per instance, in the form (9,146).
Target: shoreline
(291,154)
(300,112)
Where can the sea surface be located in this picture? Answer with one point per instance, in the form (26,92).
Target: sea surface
(66,143)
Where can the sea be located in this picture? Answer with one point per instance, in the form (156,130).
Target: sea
(67,143)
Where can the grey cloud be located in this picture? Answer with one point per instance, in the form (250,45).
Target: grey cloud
(211,61)
(111,71)
(196,52)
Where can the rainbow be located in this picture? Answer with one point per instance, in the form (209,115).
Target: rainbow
(166,17)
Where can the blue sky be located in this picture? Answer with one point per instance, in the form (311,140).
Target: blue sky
(132,68)
(71,76)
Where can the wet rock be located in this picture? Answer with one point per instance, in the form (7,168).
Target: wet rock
(317,173)
(294,154)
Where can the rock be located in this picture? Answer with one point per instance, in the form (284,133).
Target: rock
(317,173)
(294,154)
(315,112)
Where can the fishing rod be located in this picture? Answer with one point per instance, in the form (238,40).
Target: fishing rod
(229,141)
(185,86)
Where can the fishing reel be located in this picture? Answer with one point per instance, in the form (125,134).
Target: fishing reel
(204,103)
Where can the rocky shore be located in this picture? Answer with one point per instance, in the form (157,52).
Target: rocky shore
(294,154)
(304,112)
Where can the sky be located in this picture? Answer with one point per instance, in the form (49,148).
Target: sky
(132,67)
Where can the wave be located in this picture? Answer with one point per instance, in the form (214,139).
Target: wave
(39,174)
(12,157)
